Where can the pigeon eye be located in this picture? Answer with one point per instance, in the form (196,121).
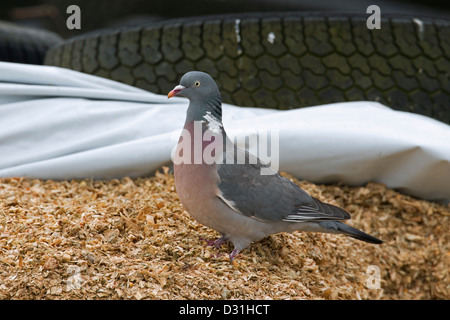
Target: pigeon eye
(197,83)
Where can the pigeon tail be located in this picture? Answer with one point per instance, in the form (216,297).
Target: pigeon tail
(355,233)
(338,227)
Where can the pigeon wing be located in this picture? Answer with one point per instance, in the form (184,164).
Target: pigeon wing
(269,197)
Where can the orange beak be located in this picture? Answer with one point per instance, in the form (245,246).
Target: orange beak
(175,91)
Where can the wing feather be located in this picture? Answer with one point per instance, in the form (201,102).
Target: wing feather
(270,197)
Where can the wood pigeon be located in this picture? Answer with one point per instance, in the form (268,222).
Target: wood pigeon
(232,196)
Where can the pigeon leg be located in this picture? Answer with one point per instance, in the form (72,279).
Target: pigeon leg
(216,243)
(234,254)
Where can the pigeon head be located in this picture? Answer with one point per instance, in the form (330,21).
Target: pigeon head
(196,86)
(202,92)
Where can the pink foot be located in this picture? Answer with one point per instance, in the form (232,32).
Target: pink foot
(233,255)
(215,243)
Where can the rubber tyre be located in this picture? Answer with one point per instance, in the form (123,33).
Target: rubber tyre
(280,60)
(25,45)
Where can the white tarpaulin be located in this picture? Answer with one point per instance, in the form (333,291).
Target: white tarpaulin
(61,124)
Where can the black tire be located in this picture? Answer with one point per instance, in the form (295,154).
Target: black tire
(25,45)
(280,60)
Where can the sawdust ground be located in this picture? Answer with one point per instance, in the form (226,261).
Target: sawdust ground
(131,239)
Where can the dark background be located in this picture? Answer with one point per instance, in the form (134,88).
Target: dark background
(95,14)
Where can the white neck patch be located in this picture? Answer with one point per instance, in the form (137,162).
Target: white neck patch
(213,123)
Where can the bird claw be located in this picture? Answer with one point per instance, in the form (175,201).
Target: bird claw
(215,243)
(233,255)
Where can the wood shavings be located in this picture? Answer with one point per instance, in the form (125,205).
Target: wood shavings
(132,239)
